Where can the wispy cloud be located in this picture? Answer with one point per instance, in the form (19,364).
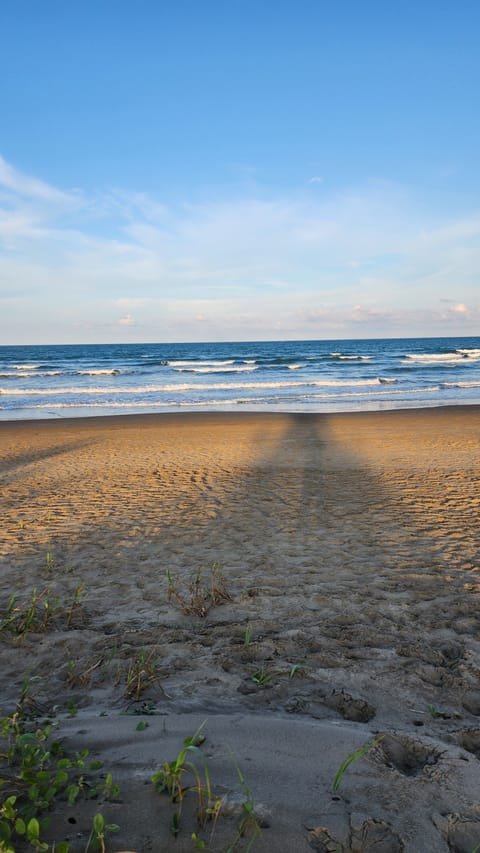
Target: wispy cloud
(127,320)
(367,258)
(28,187)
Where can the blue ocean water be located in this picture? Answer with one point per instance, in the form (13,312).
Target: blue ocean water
(289,376)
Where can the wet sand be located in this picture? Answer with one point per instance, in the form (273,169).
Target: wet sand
(342,554)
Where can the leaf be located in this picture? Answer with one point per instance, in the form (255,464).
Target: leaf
(99,823)
(33,829)
(5,833)
(354,756)
(142,725)
(20,826)
(8,810)
(72,794)
(61,779)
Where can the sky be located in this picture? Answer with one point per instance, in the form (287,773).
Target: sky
(241,170)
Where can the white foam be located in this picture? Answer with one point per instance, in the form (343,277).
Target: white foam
(158,389)
(225,369)
(432,358)
(342,357)
(470,353)
(114,371)
(200,363)
(26,366)
(460,385)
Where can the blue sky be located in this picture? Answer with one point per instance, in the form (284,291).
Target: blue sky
(241,170)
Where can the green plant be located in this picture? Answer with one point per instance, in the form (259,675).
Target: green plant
(141,674)
(442,715)
(8,621)
(37,612)
(35,615)
(99,829)
(248,822)
(182,775)
(351,758)
(261,677)
(50,560)
(75,678)
(198,596)
(35,773)
(72,708)
(75,603)
(110,790)
(218,592)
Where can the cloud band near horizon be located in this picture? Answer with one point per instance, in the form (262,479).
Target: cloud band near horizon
(371,261)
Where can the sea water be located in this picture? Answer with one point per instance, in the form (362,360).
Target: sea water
(289,376)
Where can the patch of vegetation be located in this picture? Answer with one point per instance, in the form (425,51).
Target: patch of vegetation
(261,677)
(141,674)
(184,776)
(199,594)
(35,774)
(39,612)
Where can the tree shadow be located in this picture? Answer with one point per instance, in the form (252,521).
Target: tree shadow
(349,555)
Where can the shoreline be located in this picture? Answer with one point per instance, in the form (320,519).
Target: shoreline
(347,548)
(250,413)
(280,409)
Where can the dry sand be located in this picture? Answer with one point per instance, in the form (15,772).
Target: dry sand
(349,546)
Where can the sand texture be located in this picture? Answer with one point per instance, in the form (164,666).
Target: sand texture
(323,594)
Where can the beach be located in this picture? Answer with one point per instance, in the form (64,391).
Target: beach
(307,584)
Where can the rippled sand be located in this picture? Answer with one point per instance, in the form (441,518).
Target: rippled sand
(346,548)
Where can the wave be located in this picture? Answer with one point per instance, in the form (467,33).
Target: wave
(215,363)
(104,371)
(183,387)
(460,385)
(27,374)
(470,353)
(149,404)
(225,369)
(25,366)
(342,357)
(457,357)
(295,366)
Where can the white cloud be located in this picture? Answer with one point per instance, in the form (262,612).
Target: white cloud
(127,320)
(29,187)
(253,266)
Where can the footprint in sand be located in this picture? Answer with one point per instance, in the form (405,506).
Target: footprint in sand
(407,755)
(463,834)
(357,710)
(375,836)
(470,740)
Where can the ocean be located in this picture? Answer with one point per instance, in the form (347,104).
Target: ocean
(288,376)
